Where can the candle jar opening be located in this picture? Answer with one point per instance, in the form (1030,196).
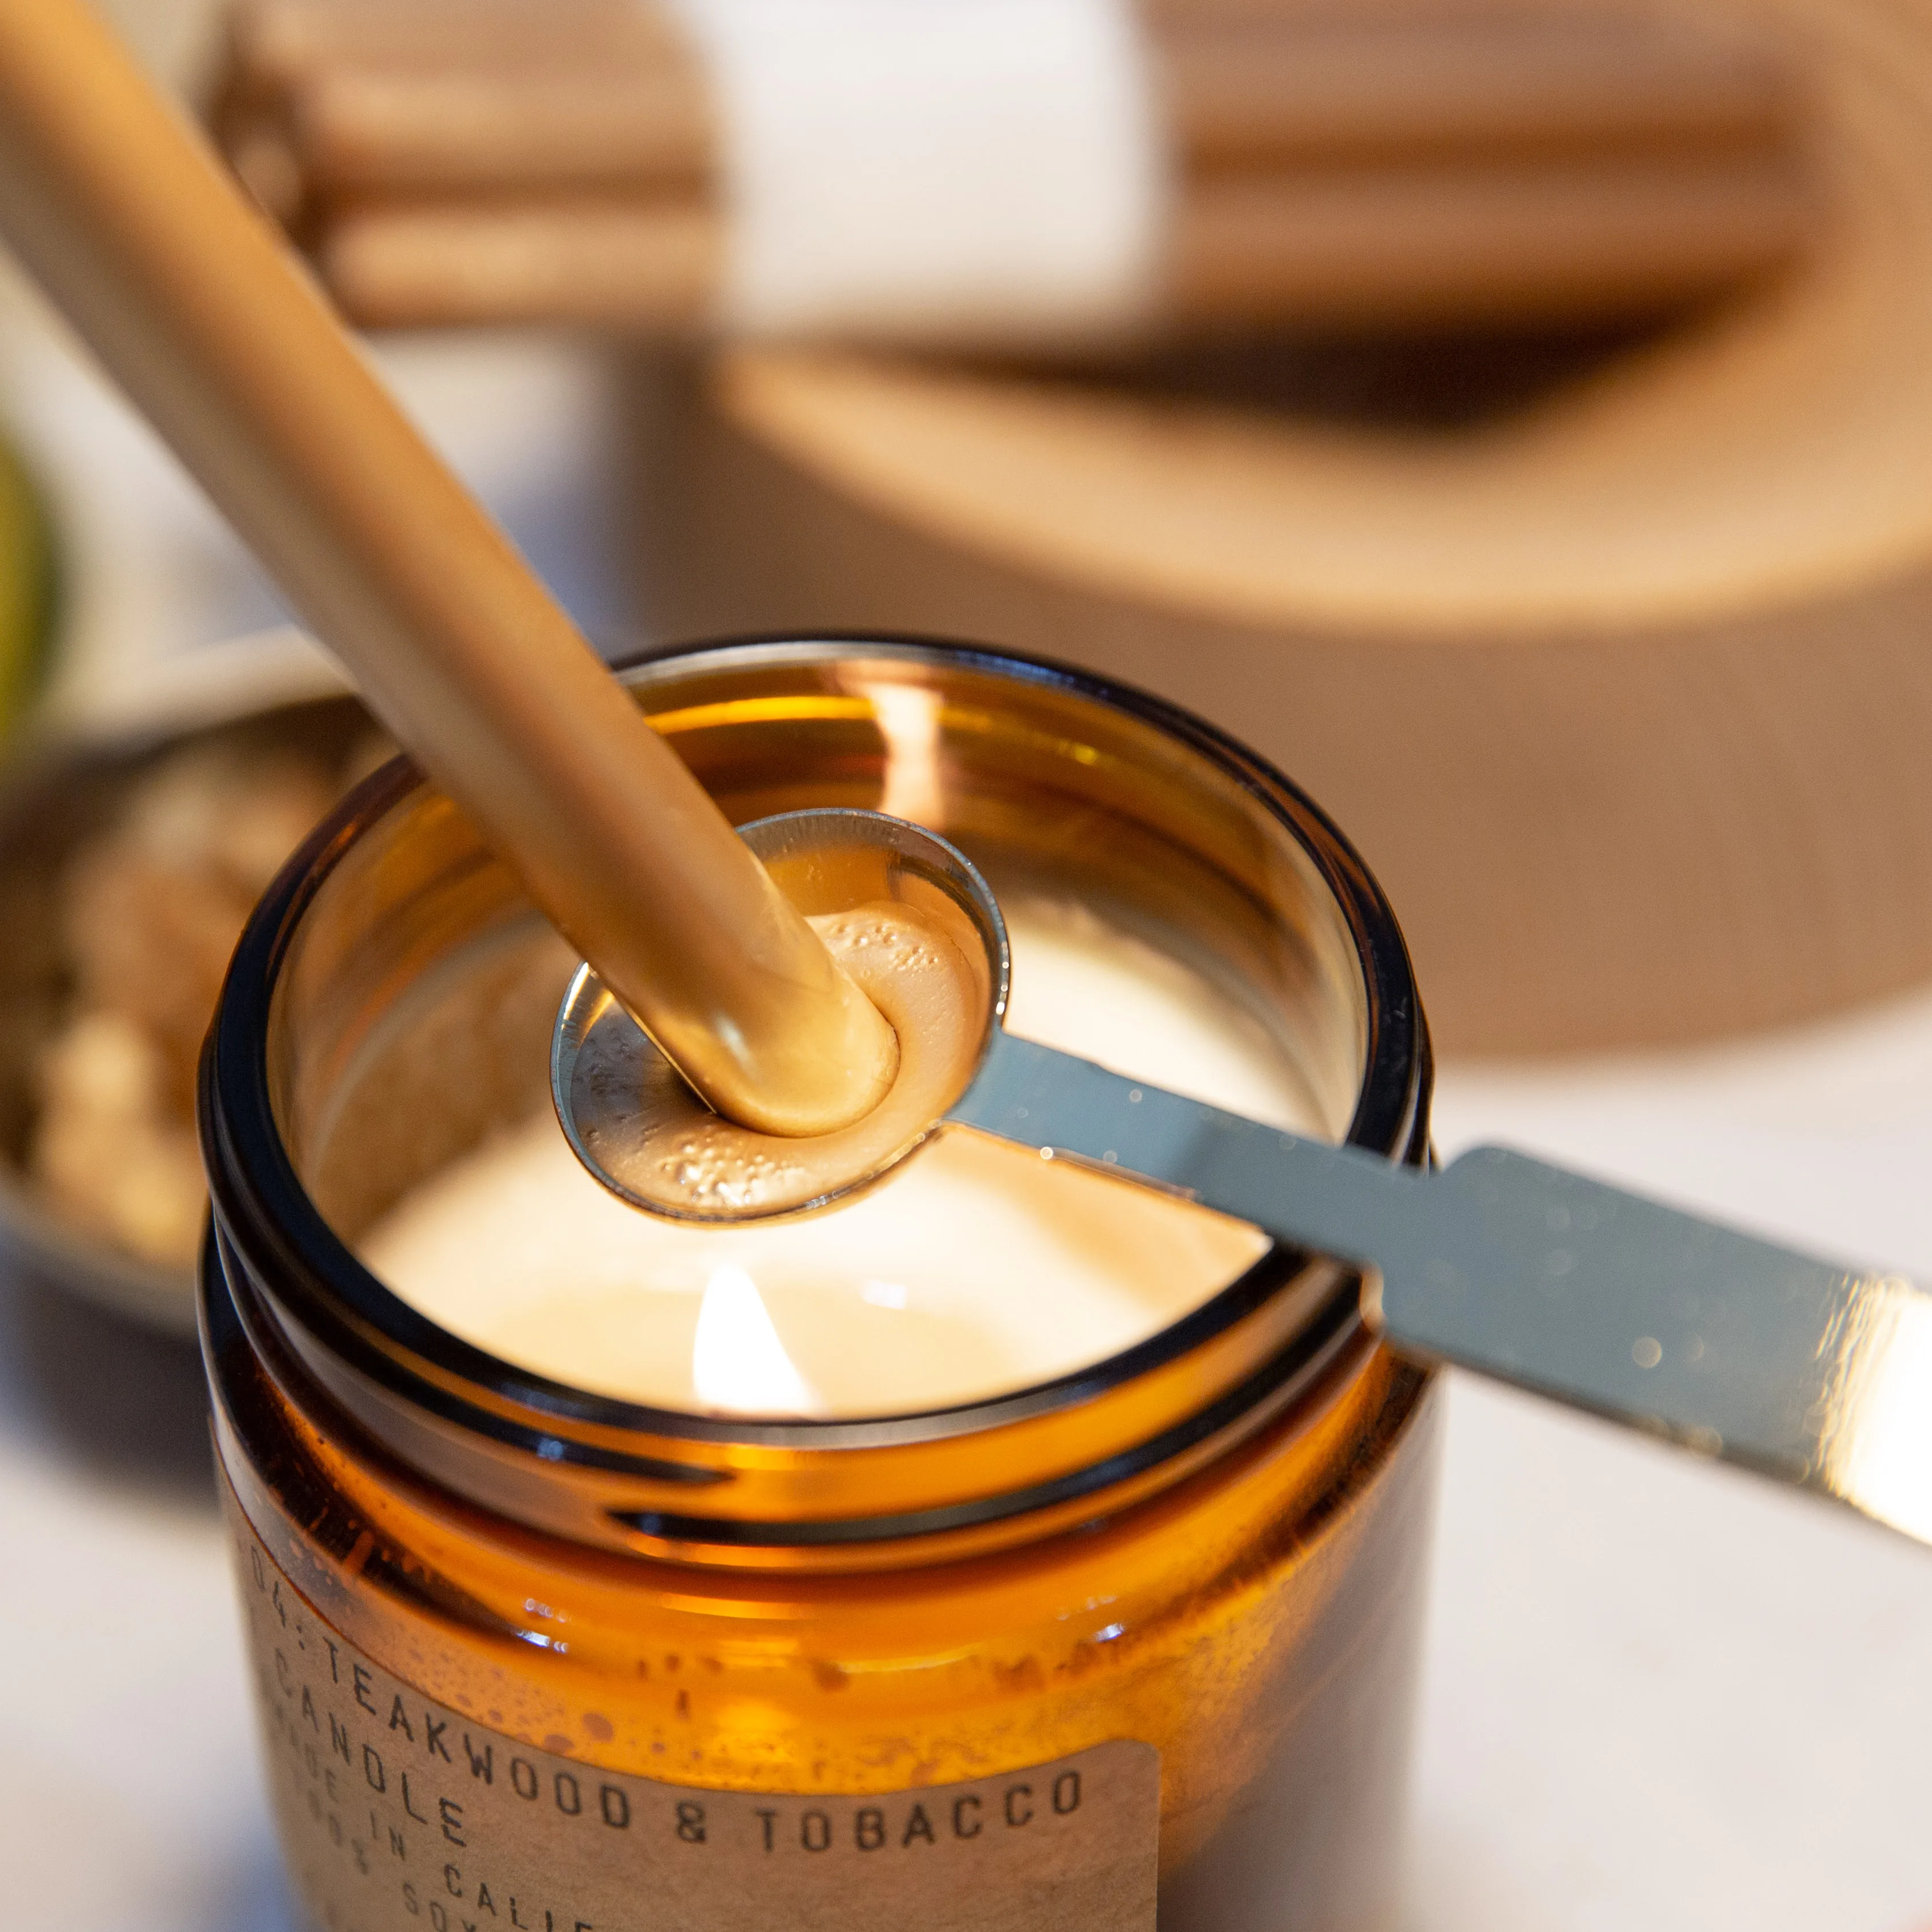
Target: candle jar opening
(1109,1604)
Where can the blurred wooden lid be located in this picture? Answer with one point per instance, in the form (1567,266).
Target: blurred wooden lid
(1625,694)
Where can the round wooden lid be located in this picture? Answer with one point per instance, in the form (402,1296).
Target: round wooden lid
(1625,693)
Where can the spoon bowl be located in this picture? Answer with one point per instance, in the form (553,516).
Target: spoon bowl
(643,1132)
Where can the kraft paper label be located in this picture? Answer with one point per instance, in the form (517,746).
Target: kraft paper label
(401,1815)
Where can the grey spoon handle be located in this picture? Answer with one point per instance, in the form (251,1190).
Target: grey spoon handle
(1803,1370)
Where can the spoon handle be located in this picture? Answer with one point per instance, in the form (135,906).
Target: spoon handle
(123,215)
(1809,1372)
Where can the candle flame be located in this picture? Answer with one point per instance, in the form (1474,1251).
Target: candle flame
(738,1363)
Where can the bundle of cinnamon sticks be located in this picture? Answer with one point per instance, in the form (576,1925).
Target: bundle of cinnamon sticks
(488,160)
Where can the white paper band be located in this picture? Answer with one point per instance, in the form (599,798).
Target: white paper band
(935,170)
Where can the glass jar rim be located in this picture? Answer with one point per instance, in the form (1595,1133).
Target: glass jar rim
(316,1314)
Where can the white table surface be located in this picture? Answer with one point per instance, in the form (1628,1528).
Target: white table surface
(1658,1693)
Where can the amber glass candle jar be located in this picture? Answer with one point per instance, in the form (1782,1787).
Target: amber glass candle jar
(1131,1641)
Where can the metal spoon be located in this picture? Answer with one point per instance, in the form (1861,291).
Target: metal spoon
(1805,1371)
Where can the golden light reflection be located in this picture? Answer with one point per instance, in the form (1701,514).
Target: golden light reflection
(1877,1440)
(908,718)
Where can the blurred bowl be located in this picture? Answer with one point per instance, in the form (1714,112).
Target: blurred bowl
(276,691)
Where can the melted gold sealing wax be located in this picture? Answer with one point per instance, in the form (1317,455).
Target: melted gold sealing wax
(926,986)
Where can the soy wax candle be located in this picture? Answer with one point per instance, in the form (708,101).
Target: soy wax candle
(1016,1546)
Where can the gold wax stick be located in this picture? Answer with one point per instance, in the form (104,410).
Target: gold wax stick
(185,294)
